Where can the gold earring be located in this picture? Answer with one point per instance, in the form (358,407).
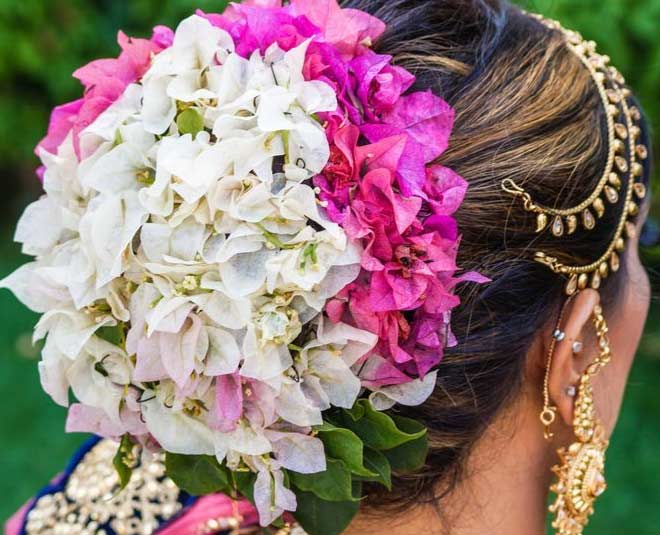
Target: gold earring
(580,473)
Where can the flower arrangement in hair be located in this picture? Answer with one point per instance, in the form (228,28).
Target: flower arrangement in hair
(245,255)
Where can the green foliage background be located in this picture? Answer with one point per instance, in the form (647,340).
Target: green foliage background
(43,41)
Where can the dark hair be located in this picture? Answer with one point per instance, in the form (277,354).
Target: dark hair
(526,109)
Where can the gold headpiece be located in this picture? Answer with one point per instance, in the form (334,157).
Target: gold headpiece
(622,162)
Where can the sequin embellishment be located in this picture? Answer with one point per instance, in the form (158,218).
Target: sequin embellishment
(91,504)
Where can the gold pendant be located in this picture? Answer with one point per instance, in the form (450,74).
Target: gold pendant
(580,474)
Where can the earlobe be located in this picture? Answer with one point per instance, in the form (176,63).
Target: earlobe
(566,366)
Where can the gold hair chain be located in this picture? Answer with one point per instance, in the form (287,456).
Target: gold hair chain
(623,155)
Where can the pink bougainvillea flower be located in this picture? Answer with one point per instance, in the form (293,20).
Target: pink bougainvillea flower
(411,171)
(379,372)
(256,26)
(380,84)
(336,183)
(348,160)
(103,76)
(324,63)
(104,81)
(381,217)
(62,120)
(228,402)
(445,189)
(403,284)
(427,120)
(349,30)
(86,419)
(425,344)
(392,327)
(259,403)
(442,235)
(162,37)
(381,207)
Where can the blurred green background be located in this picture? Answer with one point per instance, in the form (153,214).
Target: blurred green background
(42,42)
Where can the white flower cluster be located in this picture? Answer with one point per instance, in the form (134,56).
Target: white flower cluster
(191,229)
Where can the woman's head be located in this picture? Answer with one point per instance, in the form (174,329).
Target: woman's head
(527,109)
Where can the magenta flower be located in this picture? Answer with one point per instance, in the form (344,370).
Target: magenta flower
(254,26)
(62,120)
(391,327)
(381,213)
(380,84)
(427,120)
(425,344)
(350,31)
(348,160)
(445,190)
(323,62)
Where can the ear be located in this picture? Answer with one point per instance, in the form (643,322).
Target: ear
(567,366)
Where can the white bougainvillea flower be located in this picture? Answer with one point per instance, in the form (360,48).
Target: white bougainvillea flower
(68,332)
(126,166)
(106,231)
(40,228)
(31,284)
(102,133)
(412,393)
(178,72)
(175,430)
(271,496)
(99,376)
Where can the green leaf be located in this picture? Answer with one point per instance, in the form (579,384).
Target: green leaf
(197,474)
(244,484)
(345,445)
(114,335)
(320,517)
(356,412)
(124,461)
(190,121)
(377,463)
(333,485)
(377,430)
(410,456)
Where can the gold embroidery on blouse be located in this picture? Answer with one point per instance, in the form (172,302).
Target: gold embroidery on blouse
(91,501)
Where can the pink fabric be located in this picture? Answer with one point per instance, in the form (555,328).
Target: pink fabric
(15,523)
(208,508)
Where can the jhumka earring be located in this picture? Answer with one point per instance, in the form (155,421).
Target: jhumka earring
(580,472)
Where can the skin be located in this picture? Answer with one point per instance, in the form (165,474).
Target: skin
(505,491)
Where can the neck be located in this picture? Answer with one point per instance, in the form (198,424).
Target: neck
(504,492)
